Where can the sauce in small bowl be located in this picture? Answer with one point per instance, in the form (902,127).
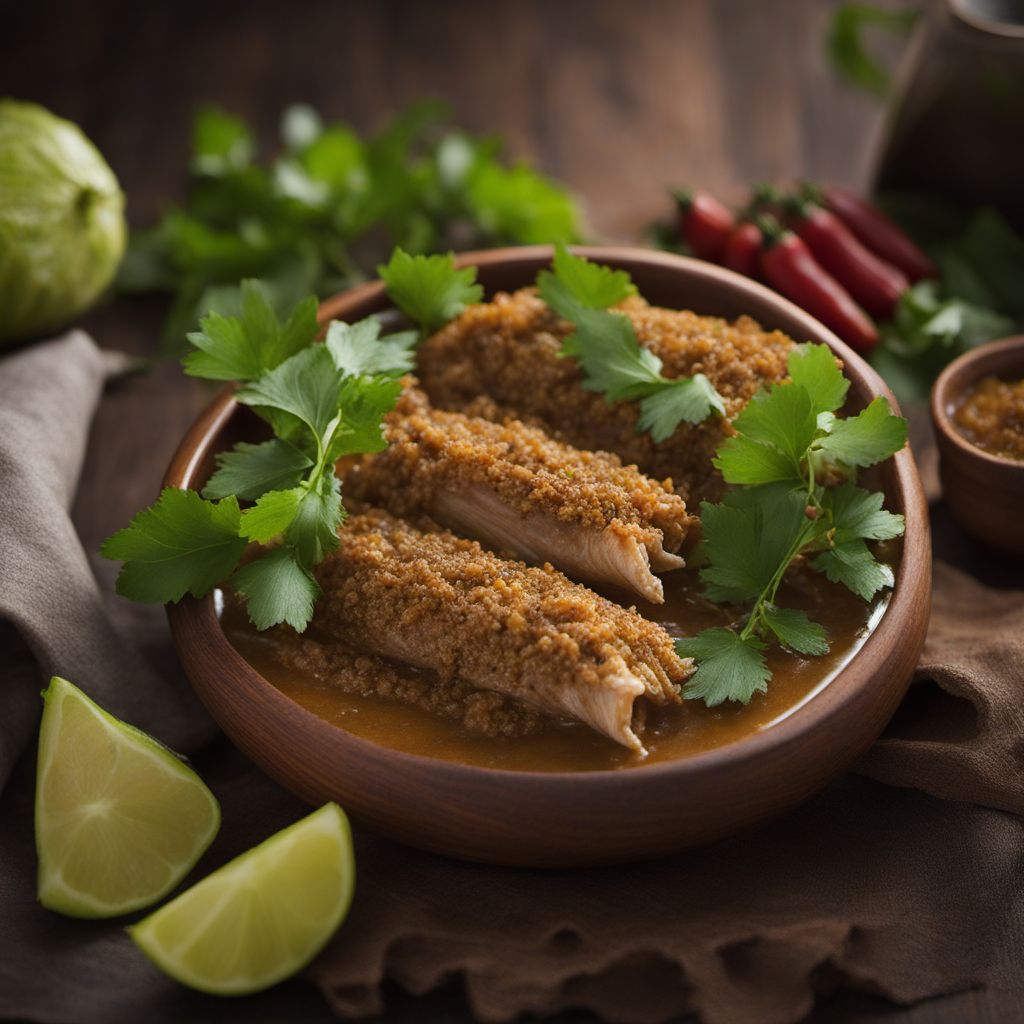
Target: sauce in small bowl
(978,412)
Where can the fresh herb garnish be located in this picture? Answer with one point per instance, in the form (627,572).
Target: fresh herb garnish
(428,289)
(333,204)
(322,402)
(978,297)
(789,444)
(613,361)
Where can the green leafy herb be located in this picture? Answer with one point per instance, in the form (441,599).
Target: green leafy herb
(180,545)
(575,281)
(977,299)
(428,289)
(322,402)
(330,207)
(846,47)
(613,361)
(789,439)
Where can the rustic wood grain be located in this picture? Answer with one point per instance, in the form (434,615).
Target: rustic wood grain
(618,99)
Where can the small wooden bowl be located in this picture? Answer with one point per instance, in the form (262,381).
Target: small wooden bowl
(565,819)
(984,492)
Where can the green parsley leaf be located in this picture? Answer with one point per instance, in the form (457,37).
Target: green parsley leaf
(858,515)
(591,285)
(272,514)
(685,399)
(277,588)
(814,368)
(304,387)
(428,289)
(359,349)
(249,470)
(242,347)
(846,47)
(314,531)
(782,417)
(729,667)
(853,565)
(743,460)
(872,435)
(179,545)
(793,629)
(516,204)
(613,361)
(748,536)
(364,402)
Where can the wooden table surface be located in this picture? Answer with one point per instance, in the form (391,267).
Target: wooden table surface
(618,100)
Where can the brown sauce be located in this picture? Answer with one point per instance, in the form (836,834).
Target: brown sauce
(670,734)
(991,417)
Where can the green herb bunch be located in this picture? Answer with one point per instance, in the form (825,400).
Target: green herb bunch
(322,402)
(793,463)
(329,207)
(612,360)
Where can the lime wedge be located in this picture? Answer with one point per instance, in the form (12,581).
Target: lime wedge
(120,819)
(261,917)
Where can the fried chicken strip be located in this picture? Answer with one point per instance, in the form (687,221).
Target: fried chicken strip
(501,359)
(515,489)
(437,601)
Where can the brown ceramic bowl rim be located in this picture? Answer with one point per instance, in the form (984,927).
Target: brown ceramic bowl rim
(842,691)
(966,370)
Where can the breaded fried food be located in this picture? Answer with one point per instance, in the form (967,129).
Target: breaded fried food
(436,601)
(501,359)
(515,489)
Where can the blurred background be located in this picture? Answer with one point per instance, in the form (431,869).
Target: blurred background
(619,101)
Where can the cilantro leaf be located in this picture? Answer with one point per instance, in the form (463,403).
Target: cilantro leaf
(220,143)
(242,347)
(613,361)
(272,514)
(690,399)
(793,629)
(853,565)
(782,417)
(729,667)
(277,588)
(872,435)
(364,402)
(181,544)
(858,515)
(251,469)
(314,530)
(748,537)
(742,460)
(591,285)
(359,349)
(814,368)
(428,289)
(304,388)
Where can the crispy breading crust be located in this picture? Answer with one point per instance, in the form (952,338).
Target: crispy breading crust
(440,602)
(500,359)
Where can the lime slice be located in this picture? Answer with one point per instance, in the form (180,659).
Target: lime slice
(261,917)
(120,819)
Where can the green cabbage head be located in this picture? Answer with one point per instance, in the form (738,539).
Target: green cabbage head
(62,228)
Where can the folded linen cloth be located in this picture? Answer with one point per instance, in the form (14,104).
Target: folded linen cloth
(904,884)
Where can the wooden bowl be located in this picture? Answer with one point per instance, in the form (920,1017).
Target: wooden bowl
(565,819)
(985,492)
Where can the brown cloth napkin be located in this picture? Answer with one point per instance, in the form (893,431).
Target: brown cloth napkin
(903,880)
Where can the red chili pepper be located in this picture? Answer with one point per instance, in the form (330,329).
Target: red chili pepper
(742,248)
(875,284)
(878,232)
(788,265)
(704,223)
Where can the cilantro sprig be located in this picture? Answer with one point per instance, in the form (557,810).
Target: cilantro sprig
(793,462)
(613,361)
(322,402)
(429,289)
